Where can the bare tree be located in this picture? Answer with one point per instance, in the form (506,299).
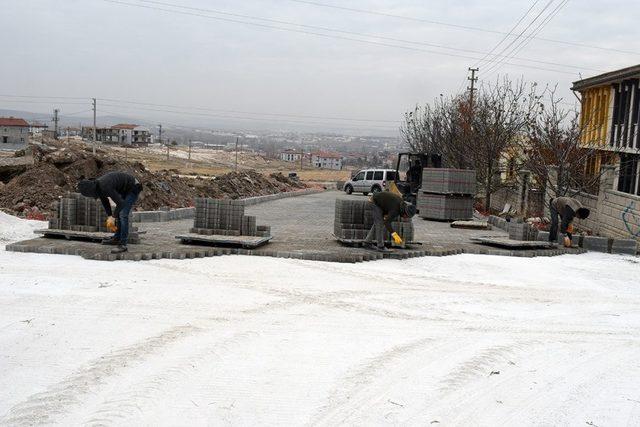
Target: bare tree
(438,128)
(498,121)
(554,139)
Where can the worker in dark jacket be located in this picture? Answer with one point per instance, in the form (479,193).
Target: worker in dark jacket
(387,206)
(123,189)
(566,208)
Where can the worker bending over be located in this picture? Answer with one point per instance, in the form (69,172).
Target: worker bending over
(123,189)
(567,209)
(387,206)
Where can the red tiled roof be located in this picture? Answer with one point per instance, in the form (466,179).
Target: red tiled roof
(13,121)
(124,126)
(327,155)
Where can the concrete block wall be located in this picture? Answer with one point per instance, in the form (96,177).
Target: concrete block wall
(613,213)
(619,215)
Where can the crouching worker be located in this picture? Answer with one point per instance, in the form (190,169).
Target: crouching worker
(563,210)
(387,206)
(123,189)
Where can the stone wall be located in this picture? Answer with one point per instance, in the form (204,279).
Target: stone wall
(613,213)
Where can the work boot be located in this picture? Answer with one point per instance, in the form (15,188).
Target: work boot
(383,249)
(111,241)
(120,249)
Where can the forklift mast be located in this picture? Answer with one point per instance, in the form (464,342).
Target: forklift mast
(411,165)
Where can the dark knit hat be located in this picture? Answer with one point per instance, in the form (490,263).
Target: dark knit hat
(88,188)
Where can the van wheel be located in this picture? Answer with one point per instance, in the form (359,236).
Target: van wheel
(376,189)
(348,189)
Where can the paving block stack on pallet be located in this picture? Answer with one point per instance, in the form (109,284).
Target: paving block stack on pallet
(447,194)
(75,212)
(354,218)
(225,218)
(522,231)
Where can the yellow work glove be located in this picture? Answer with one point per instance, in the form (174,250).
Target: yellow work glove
(110,223)
(397,239)
(567,242)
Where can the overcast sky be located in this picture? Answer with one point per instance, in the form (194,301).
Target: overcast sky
(94,48)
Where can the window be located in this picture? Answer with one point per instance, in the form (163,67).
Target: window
(628,178)
(369,175)
(359,177)
(391,175)
(378,175)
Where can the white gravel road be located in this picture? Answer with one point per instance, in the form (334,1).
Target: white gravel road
(462,340)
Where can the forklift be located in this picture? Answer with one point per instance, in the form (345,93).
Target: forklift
(409,166)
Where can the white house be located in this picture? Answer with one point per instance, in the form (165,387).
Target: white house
(14,133)
(290,155)
(326,160)
(129,134)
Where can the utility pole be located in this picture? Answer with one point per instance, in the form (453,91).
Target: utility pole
(301,158)
(160,134)
(472,88)
(55,123)
(236,153)
(94,125)
(189,148)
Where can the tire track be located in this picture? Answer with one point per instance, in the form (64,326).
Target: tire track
(117,407)
(44,407)
(359,386)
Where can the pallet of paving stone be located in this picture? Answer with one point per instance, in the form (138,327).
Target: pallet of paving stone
(504,242)
(360,242)
(75,235)
(247,242)
(449,181)
(445,207)
(473,225)
(92,236)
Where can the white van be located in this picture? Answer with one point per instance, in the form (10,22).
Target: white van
(370,181)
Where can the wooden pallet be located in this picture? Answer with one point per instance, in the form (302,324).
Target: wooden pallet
(246,242)
(360,242)
(505,242)
(93,236)
(473,225)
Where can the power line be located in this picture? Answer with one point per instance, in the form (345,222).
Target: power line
(182,107)
(270,120)
(247,112)
(337,37)
(495,57)
(43,97)
(336,30)
(506,35)
(43,102)
(448,24)
(528,38)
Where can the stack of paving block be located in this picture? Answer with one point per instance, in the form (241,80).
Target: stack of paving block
(75,212)
(225,217)
(354,219)
(522,231)
(447,194)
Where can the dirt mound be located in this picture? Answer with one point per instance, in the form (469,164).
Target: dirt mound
(57,169)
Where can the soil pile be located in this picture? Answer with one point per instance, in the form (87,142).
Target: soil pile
(57,168)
